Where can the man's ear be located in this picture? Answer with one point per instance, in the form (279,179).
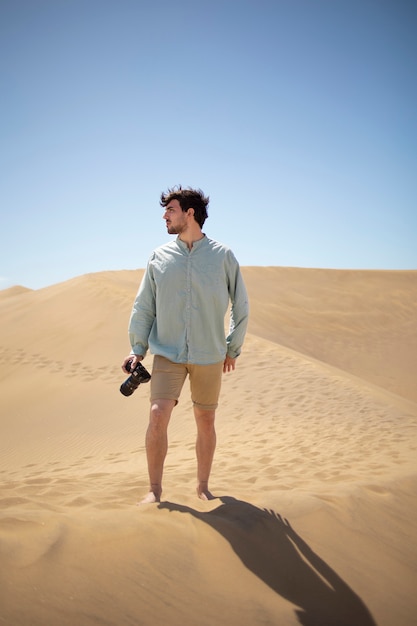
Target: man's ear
(190,211)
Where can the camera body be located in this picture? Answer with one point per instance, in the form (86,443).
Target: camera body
(137,376)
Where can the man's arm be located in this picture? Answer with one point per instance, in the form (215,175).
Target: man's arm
(239,314)
(142,318)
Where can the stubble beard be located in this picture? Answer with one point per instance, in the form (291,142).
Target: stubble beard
(175,230)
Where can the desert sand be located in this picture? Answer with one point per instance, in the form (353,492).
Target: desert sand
(315,473)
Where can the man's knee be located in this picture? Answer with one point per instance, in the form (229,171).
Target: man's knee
(205,418)
(161,412)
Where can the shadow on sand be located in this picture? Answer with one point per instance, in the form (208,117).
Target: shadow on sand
(270,548)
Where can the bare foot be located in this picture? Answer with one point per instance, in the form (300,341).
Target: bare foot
(203,493)
(150,498)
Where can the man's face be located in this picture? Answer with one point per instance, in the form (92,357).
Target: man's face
(175,218)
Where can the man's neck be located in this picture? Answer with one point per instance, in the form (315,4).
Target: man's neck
(190,236)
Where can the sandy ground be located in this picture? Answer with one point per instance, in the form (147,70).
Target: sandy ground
(314,474)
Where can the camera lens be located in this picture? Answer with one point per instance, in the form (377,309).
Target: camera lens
(138,375)
(126,388)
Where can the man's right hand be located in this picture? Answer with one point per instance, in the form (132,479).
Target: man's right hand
(134,358)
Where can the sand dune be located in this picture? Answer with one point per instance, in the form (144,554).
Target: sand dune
(315,470)
(363,322)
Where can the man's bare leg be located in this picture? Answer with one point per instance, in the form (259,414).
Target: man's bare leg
(205,447)
(157,447)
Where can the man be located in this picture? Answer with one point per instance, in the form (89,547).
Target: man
(179,314)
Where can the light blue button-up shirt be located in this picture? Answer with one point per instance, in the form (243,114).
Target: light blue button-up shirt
(179,311)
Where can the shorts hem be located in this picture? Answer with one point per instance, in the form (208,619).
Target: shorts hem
(161,396)
(206,407)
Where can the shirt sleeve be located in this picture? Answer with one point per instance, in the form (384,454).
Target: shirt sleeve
(239,313)
(143,313)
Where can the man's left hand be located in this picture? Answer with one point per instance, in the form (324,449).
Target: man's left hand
(229,364)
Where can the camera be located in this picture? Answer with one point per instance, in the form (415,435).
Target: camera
(137,376)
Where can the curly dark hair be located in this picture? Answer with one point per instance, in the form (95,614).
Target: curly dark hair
(189,199)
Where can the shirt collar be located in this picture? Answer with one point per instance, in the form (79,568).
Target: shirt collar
(196,244)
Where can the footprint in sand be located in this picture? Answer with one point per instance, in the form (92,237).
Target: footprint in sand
(38,481)
(12,501)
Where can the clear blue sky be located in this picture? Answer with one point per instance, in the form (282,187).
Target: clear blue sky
(297,117)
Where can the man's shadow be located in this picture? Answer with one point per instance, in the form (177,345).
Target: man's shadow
(270,548)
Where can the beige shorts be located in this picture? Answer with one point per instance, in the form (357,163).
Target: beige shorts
(168,380)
